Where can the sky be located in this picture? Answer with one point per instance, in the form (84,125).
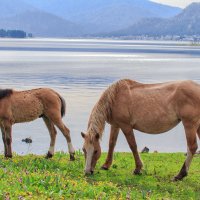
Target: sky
(178,3)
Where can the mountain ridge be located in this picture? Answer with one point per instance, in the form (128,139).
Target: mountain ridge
(185,23)
(109,15)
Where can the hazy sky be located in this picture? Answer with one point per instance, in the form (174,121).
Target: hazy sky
(179,3)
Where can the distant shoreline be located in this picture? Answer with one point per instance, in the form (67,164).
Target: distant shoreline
(195,42)
(111,39)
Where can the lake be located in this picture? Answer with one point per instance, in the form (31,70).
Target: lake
(80,70)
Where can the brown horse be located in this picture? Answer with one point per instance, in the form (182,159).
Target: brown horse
(25,106)
(150,108)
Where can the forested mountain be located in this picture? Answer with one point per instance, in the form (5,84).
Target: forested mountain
(185,23)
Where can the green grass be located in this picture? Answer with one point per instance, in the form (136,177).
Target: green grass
(33,177)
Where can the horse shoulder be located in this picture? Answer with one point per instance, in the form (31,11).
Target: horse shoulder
(5,109)
(124,92)
(123,101)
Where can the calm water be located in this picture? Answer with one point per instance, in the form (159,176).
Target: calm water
(80,70)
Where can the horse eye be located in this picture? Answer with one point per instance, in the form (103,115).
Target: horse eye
(95,152)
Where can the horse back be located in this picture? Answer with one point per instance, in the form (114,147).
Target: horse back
(32,104)
(154,108)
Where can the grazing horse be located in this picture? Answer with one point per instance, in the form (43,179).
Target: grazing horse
(25,106)
(150,108)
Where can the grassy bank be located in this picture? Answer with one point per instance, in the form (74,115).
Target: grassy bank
(33,177)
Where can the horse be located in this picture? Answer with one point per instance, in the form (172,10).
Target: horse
(28,105)
(149,108)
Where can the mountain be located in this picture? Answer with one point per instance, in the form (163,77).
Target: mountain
(70,8)
(185,23)
(74,18)
(101,15)
(42,24)
(17,14)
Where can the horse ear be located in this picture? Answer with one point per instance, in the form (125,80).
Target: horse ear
(83,134)
(97,136)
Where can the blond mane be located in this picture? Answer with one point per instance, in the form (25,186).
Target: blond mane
(102,110)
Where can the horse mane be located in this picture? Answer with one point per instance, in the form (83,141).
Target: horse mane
(5,93)
(102,110)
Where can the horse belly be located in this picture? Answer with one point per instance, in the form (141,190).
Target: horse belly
(156,124)
(155,128)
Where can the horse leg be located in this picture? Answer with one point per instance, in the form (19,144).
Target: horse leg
(7,138)
(53,133)
(192,146)
(4,140)
(114,131)
(66,132)
(129,134)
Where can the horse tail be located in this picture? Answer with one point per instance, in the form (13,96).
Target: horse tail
(63,106)
(198,133)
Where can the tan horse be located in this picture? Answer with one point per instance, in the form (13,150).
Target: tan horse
(150,108)
(25,106)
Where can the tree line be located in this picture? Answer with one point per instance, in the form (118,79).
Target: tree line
(14,33)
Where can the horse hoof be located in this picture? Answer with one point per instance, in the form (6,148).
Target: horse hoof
(104,168)
(72,157)
(8,156)
(137,172)
(177,178)
(49,155)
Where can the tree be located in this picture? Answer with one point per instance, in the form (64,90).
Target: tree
(14,33)
(3,33)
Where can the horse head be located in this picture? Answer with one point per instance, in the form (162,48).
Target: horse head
(92,151)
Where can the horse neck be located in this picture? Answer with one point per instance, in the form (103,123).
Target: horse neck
(97,120)
(102,111)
